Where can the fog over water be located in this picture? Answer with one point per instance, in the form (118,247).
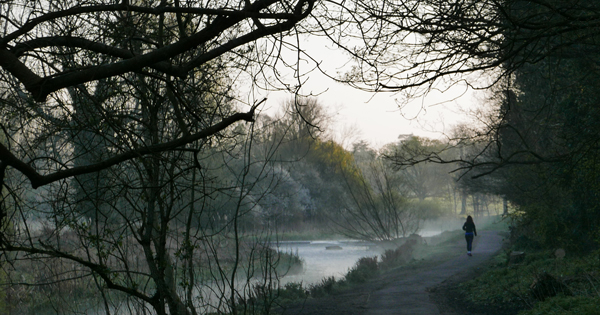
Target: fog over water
(320,262)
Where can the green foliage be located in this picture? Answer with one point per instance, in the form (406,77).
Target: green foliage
(566,305)
(547,131)
(292,292)
(552,225)
(4,306)
(525,242)
(428,209)
(507,285)
(327,286)
(310,173)
(289,263)
(366,268)
(333,158)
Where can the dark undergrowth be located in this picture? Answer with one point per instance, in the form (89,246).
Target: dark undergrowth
(365,269)
(541,283)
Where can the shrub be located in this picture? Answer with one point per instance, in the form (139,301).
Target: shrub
(389,258)
(513,286)
(292,291)
(290,263)
(566,305)
(365,269)
(324,288)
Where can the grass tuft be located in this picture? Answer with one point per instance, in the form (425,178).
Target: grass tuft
(506,285)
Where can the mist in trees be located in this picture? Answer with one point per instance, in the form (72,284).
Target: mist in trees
(535,141)
(549,143)
(131,166)
(541,139)
(145,177)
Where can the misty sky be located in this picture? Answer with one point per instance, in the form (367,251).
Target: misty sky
(377,117)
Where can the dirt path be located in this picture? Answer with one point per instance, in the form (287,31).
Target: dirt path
(409,295)
(405,291)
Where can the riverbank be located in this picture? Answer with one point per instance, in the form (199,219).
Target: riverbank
(405,290)
(540,282)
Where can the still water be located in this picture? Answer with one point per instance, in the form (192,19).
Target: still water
(320,262)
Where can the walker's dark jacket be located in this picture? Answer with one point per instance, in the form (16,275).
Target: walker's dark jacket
(470,228)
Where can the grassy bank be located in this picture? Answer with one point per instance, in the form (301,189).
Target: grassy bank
(368,268)
(431,252)
(527,287)
(542,281)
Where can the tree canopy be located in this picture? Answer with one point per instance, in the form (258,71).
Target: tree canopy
(126,119)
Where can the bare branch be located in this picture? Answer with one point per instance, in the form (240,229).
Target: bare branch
(38,180)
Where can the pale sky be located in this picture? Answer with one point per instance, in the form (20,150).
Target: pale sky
(377,117)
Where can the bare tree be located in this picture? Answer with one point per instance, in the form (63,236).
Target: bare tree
(38,29)
(136,103)
(166,235)
(397,45)
(376,206)
(167,39)
(122,88)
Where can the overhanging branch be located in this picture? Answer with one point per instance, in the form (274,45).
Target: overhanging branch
(101,270)
(40,87)
(38,180)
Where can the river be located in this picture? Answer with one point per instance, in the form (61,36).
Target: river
(320,262)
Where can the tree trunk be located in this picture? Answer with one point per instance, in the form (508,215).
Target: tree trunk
(463,209)
(475,205)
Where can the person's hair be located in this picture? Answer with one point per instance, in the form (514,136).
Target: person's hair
(469,219)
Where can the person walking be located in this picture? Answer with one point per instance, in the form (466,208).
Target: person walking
(470,232)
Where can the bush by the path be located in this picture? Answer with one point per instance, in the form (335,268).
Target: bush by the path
(512,285)
(566,305)
(365,268)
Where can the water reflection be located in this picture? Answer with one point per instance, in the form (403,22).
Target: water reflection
(320,262)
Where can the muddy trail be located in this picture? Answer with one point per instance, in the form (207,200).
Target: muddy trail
(408,290)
